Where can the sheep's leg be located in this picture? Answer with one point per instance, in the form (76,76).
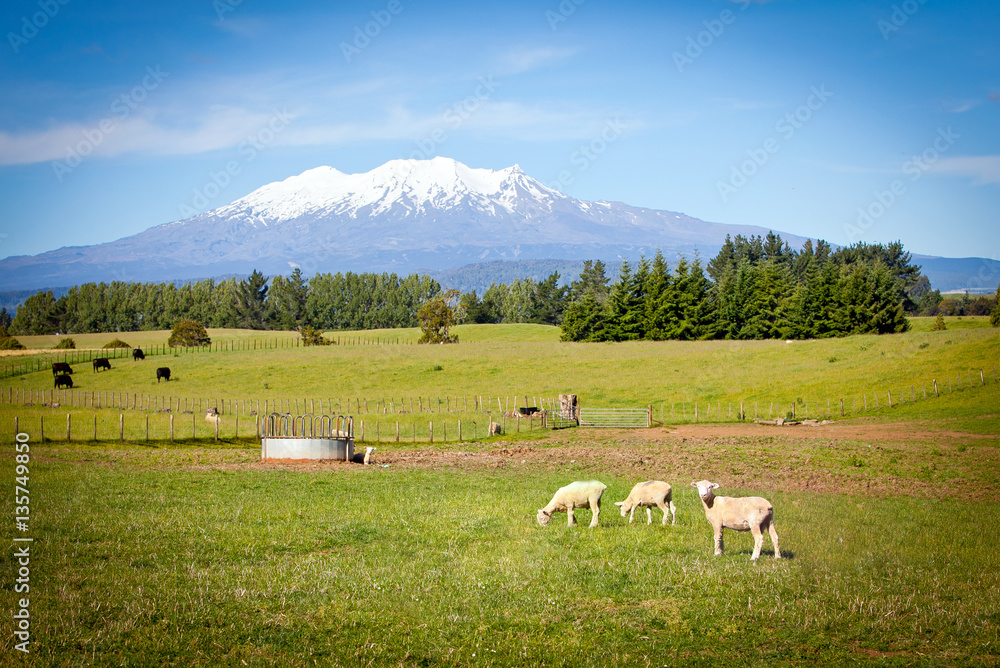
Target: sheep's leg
(595,508)
(570,518)
(718,541)
(774,539)
(673,513)
(649,515)
(758,541)
(664,508)
(631,515)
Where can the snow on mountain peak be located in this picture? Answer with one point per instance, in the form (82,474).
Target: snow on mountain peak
(412,185)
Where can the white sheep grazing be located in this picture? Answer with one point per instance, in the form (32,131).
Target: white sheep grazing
(750,513)
(646,495)
(365,457)
(579,494)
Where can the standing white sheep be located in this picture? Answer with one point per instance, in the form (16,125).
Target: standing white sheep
(579,494)
(750,513)
(646,495)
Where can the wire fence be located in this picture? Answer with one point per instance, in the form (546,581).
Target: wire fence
(108,416)
(43,361)
(102,427)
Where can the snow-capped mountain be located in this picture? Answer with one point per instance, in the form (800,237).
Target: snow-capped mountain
(404,216)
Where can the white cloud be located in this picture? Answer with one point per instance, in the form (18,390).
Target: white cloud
(983,169)
(141,132)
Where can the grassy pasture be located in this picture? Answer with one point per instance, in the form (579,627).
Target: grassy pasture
(197,554)
(491,362)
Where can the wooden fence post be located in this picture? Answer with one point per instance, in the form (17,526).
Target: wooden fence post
(67,426)
(841,407)
(121,426)
(936,388)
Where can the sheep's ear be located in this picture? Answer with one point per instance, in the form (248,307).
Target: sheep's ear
(619,503)
(694,484)
(714,485)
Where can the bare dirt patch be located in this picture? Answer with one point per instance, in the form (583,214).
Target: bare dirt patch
(896,459)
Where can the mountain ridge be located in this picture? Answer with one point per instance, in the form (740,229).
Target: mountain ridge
(403,216)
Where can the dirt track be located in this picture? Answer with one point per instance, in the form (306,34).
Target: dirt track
(899,459)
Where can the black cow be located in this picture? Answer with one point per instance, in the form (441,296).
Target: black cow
(60,367)
(62,380)
(102,363)
(163,372)
(137,354)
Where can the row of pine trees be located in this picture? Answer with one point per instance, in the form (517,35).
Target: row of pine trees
(755,288)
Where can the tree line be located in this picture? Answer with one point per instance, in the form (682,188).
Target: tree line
(325,302)
(755,288)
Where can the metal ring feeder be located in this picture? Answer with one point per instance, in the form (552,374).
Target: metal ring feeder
(286,436)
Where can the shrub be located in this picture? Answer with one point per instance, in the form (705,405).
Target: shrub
(436,318)
(10,343)
(313,337)
(939,325)
(64,343)
(116,343)
(188,333)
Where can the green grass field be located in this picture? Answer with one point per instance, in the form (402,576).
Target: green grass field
(196,553)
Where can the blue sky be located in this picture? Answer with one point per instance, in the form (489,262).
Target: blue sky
(849,121)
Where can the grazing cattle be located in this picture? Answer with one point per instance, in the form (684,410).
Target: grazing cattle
(63,380)
(164,373)
(102,363)
(60,367)
(137,355)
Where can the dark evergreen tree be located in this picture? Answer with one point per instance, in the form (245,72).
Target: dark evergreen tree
(548,301)
(251,295)
(584,320)
(286,301)
(625,307)
(592,279)
(661,312)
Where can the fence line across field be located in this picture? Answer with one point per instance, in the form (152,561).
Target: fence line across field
(171,421)
(43,360)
